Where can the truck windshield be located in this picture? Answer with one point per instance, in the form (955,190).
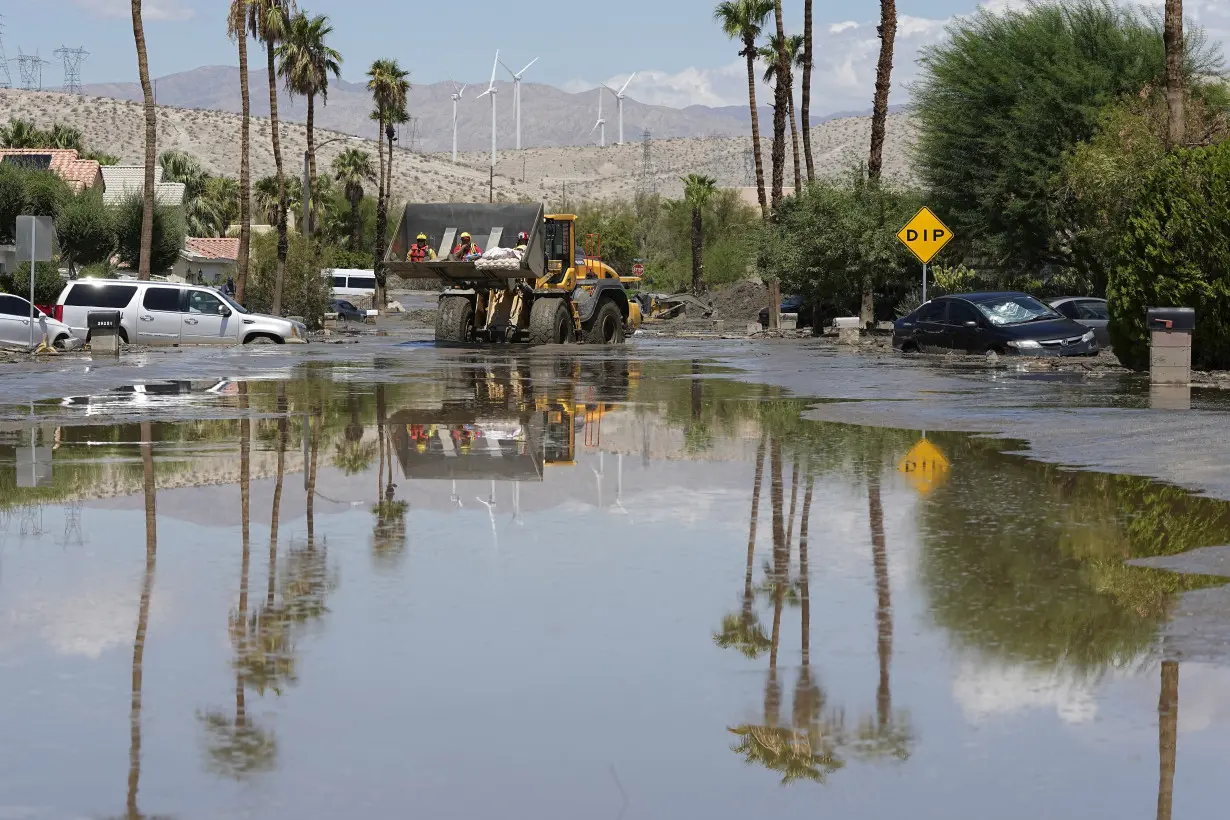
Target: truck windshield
(235,306)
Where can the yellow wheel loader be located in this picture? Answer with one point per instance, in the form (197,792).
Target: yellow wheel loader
(543,289)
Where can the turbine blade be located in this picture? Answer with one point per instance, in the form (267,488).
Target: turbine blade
(494,67)
(625,88)
(527,66)
(506,68)
(464,86)
(595,128)
(485,93)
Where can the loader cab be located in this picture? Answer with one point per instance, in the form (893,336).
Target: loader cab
(559,245)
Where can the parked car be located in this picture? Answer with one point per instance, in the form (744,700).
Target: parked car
(351,282)
(994,324)
(1087,311)
(166,313)
(15,324)
(790,304)
(347,312)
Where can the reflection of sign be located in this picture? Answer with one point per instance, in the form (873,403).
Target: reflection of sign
(925,235)
(924,466)
(638,269)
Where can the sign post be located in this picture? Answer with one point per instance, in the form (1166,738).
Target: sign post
(36,238)
(925,236)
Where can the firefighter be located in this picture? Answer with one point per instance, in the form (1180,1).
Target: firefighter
(420,251)
(523,239)
(465,247)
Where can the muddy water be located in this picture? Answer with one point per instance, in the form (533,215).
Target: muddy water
(559,587)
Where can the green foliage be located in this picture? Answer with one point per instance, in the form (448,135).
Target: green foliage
(346,258)
(1176,252)
(98,270)
(1007,96)
(210,203)
(616,224)
(822,243)
(86,230)
(47,282)
(304,291)
(169,233)
(12,200)
(45,193)
(22,134)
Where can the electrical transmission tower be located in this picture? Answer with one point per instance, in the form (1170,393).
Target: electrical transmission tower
(648,182)
(72,57)
(6,79)
(30,68)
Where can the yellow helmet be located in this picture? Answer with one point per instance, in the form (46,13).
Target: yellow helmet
(422,237)
(465,234)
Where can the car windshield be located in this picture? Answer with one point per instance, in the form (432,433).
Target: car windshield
(1015,310)
(235,306)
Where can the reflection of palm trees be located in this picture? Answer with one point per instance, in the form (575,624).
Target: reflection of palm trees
(1168,737)
(389,531)
(743,629)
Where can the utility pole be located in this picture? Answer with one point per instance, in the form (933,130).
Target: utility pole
(6,79)
(72,58)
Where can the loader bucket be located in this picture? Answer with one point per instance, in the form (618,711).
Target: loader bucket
(460,446)
(491,226)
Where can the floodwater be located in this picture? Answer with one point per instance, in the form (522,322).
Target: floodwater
(580,586)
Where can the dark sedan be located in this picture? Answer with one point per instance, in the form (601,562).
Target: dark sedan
(1087,311)
(347,312)
(994,324)
(790,304)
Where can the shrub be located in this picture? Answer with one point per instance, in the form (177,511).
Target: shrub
(47,282)
(12,200)
(86,229)
(304,291)
(169,232)
(1176,253)
(45,193)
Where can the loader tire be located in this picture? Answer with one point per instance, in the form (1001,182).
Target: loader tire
(607,326)
(550,322)
(455,320)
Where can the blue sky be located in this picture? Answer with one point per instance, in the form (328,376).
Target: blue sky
(682,56)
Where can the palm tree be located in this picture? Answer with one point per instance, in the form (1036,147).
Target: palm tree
(151,145)
(1168,737)
(306,62)
(781,106)
(351,169)
(267,20)
(237,30)
(808,64)
(204,215)
(388,85)
(224,194)
(22,134)
(794,50)
(64,137)
(884,70)
(743,20)
(743,630)
(267,196)
(138,644)
(1176,133)
(697,191)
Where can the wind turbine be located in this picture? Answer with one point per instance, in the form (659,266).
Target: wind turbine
(620,96)
(516,76)
(457,92)
(492,90)
(601,123)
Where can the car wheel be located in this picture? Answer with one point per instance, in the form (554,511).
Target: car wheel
(993,357)
(260,340)
(58,344)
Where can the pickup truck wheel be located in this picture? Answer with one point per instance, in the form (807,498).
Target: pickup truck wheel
(550,322)
(259,340)
(607,326)
(455,320)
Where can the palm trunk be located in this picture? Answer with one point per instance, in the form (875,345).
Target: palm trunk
(151,145)
(867,308)
(1176,134)
(794,139)
(354,223)
(751,532)
(382,219)
(698,251)
(884,603)
(781,107)
(1168,737)
(314,446)
(794,497)
(275,516)
(750,52)
(138,644)
(884,71)
(245,165)
(775,304)
(382,275)
(779,548)
(309,202)
(808,64)
(804,582)
(245,495)
(279,276)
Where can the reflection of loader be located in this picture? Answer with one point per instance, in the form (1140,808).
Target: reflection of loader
(550,295)
(510,419)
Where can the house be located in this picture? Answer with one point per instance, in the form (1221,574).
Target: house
(206,261)
(123,181)
(65,163)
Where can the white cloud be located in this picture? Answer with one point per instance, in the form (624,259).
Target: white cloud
(838,28)
(986,689)
(151,10)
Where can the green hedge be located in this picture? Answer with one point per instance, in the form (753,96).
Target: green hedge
(1176,253)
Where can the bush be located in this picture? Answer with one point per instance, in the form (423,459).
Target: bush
(304,291)
(47,282)
(1176,253)
(86,229)
(169,233)
(46,193)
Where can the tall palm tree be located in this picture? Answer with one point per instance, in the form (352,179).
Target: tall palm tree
(744,20)
(1168,737)
(781,106)
(794,51)
(698,190)
(138,644)
(151,145)
(22,134)
(808,65)
(884,71)
(267,20)
(351,169)
(237,30)
(742,630)
(267,196)
(388,85)
(306,61)
(65,136)
(1176,133)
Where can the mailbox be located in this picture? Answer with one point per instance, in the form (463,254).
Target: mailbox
(104,331)
(1171,319)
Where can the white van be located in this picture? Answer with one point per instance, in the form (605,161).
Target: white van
(351,282)
(167,313)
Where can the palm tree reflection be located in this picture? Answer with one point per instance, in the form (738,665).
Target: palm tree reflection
(742,629)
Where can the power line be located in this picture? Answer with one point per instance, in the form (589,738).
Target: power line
(6,79)
(72,57)
(30,67)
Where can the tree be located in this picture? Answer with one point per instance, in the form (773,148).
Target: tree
(1167,737)
(808,64)
(794,52)
(166,234)
(351,169)
(887,31)
(267,20)
(45,193)
(306,62)
(1005,99)
(151,146)
(388,86)
(150,487)
(237,30)
(781,106)
(22,134)
(267,197)
(86,230)
(1173,42)
(744,20)
(12,200)
(204,216)
(697,191)
(65,137)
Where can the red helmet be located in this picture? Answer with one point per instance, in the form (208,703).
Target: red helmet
(523,237)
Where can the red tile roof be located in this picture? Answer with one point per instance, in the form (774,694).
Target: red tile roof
(77,172)
(210,248)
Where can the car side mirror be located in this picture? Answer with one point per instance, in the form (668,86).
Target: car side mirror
(971,324)
(226,312)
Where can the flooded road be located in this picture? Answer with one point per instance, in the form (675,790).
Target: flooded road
(460,584)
